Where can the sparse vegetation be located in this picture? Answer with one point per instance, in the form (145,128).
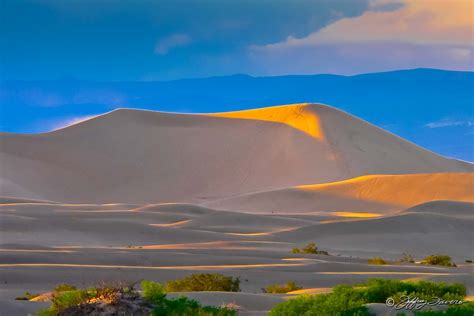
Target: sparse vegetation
(64,287)
(152,291)
(465,309)
(377,260)
(154,294)
(342,301)
(127,301)
(310,248)
(64,300)
(204,282)
(282,289)
(26,296)
(406,258)
(439,260)
(351,300)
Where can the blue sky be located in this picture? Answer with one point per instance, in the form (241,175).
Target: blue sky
(145,40)
(161,40)
(125,41)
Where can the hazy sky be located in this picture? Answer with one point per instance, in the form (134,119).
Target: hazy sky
(159,40)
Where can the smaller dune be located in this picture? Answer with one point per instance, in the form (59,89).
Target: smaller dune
(373,194)
(451,208)
(15,200)
(176,208)
(174,224)
(419,234)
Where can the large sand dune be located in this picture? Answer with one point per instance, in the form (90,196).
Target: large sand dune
(138,156)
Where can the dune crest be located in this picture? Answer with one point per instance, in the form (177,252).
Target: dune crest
(303,117)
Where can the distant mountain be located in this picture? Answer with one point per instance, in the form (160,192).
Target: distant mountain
(135,156)
(433,108)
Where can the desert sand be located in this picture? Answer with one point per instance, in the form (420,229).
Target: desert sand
(134,195)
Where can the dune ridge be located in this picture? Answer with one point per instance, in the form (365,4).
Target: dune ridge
(136,156)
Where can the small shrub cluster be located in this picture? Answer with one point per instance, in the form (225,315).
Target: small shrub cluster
(439,260)
(282,289)
(26,296)
(377,260)
(465,309)
(63,287)
(155,294)
(342,301)
(125,300)
(406,258)
(350,300)
(62,301)
(310,248)
(204,282)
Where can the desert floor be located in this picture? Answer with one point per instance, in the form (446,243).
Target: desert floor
(44,244)
(257,183)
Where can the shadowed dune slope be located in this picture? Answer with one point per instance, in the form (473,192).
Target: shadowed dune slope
(374,193)
(420,234)
(451,208)
(136,156)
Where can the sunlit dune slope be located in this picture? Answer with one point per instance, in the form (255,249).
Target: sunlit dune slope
(300,117)
(374,193)
(135,156)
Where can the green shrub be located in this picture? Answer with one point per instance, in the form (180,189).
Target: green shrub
(63,300)
(153,292)
(310,248)
(438,260)
(378,290)
(64,287)
(376,260)
(183,306)
(351,300)
(282,289)
(343,301)
(296,250)
(465,309)
(204,282)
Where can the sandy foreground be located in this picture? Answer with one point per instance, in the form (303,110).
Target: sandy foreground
(45,244)
(135,195)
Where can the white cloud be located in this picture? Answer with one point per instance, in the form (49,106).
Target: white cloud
(419,34)
(166,44)
(449,123)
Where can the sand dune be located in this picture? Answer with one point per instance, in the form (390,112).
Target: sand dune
(135,156)
(366,194)
(420,234)
(452,208)
(134,195)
